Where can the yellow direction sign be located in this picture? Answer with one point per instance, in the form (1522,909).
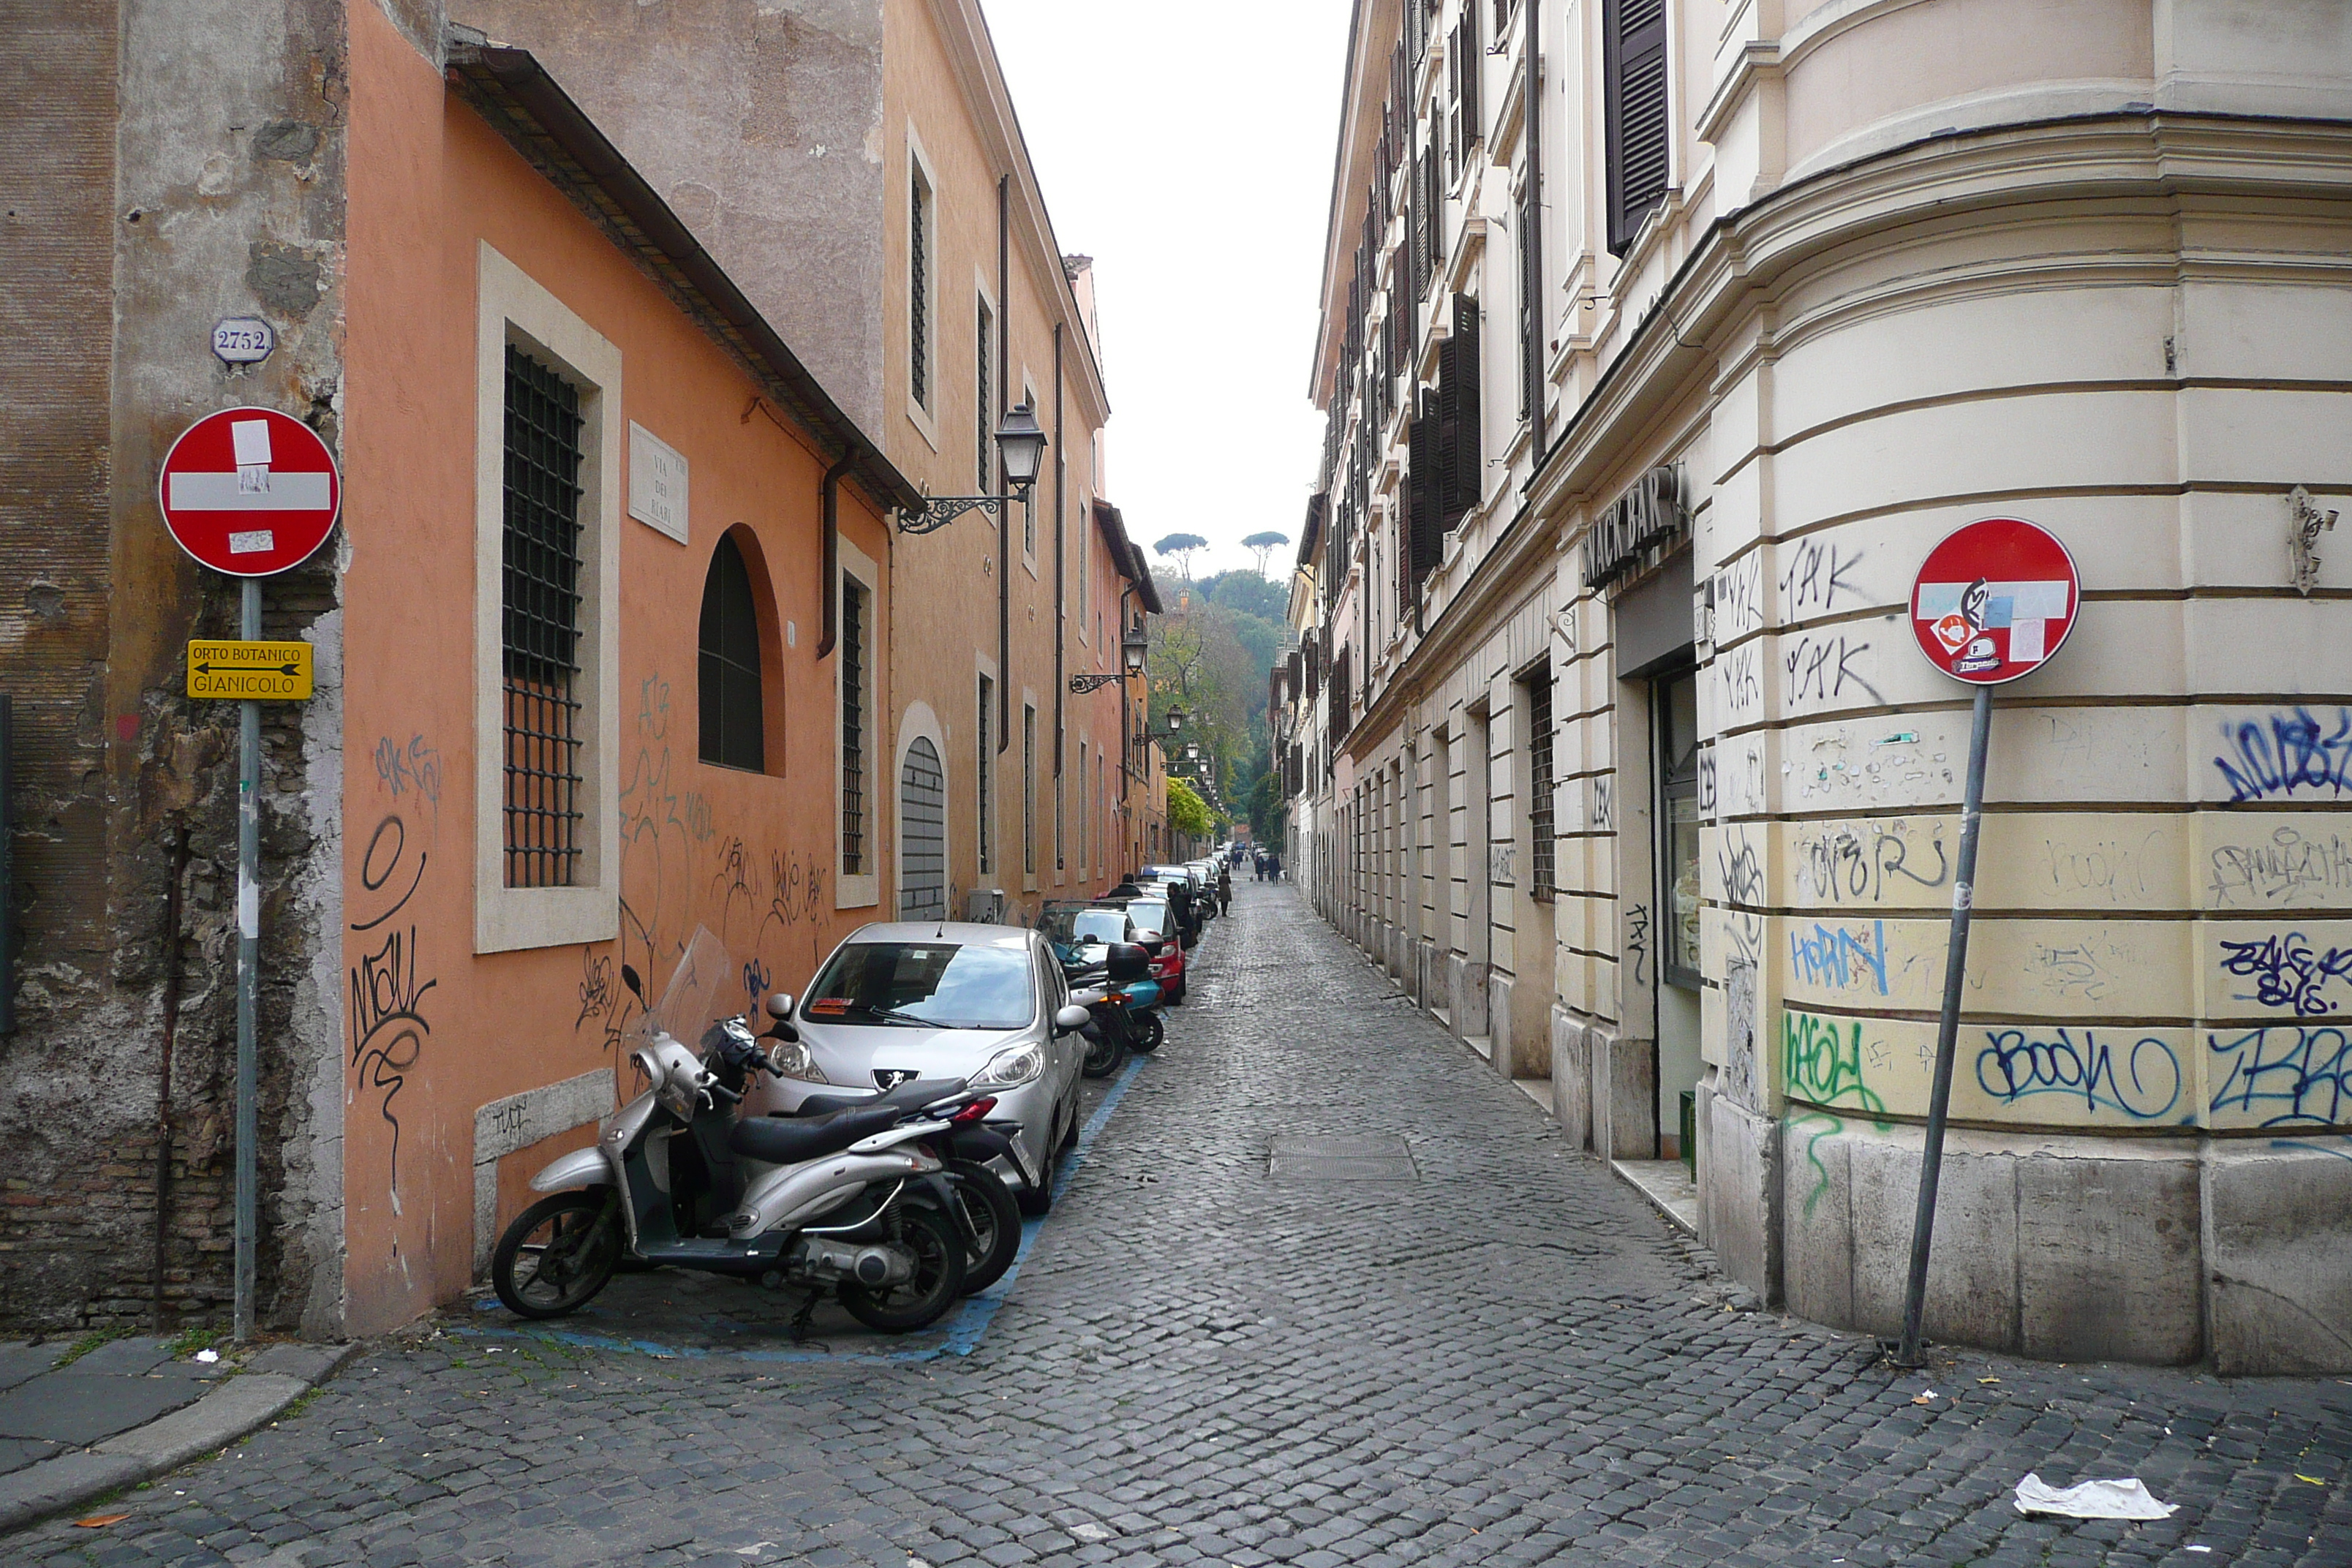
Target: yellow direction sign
(259,671)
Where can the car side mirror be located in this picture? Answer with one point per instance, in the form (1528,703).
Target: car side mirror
(1071,1019)
(1126,963)
(779,1004)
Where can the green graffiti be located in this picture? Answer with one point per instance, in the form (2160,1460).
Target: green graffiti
(1829,1124)
(1820,1061)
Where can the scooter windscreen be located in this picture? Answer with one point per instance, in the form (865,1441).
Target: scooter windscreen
(706,984)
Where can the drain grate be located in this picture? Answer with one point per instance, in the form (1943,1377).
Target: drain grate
(1371,1159)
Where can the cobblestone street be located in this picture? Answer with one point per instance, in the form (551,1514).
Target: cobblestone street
(1497,1354)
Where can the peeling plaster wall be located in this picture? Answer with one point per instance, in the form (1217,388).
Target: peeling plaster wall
(210,132)
(760,122)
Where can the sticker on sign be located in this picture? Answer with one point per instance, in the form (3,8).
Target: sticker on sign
(1994,600)
(249,491)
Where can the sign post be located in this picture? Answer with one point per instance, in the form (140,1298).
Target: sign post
(250,492)
(1991,604)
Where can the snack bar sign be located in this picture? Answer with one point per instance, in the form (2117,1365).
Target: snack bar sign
(1995,600)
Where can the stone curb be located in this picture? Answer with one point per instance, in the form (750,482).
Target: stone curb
(276,1378)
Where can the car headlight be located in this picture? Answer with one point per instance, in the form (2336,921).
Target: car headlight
(794,1060)
(1011,1070)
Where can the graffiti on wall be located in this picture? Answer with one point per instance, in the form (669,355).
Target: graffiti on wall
(2285,868)
(1841,957)
(2281,1075)
(1816,573)
(2292,755)
(1864,863)
(1821,1061)
(388,1024)
(2141,1080)
(2289,972)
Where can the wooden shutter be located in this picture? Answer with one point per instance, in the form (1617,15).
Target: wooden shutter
(1465,40)
(1421,221)
(1448,399)
(1424,498)
(1634,71)
(1469,461)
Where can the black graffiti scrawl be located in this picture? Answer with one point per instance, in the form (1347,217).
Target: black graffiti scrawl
(388,1022)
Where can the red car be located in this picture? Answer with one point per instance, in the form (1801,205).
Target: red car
(1157,923)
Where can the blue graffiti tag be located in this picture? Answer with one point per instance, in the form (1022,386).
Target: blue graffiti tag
(2288,1074)
(2288,972)
(2015,1065)
(1835,956)
(2292,752)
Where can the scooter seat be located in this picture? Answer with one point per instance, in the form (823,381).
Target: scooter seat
(789,1139)
(912,1095)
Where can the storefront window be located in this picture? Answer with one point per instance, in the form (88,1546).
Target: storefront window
(1678,896)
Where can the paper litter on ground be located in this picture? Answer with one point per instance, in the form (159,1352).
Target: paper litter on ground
(2092,1499)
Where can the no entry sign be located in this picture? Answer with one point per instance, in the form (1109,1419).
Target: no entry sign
(1994,601)
(249,491)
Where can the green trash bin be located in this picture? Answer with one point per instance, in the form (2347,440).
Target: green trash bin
(1690,1131)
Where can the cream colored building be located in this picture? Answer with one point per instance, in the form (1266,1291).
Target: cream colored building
(1662,340)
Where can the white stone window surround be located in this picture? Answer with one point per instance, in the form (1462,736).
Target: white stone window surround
(923,416)
(862,892)
(514,308)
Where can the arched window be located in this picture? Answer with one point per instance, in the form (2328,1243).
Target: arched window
(732,708)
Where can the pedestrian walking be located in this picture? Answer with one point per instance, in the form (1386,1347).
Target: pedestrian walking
(1224,888)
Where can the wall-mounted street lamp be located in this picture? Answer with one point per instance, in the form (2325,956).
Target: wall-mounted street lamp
(1020,446)
(1175,720)
(1133,651)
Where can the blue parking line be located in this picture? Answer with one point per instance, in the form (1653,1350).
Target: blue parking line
(963,1327)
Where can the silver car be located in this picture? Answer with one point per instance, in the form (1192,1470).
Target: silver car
(921,999)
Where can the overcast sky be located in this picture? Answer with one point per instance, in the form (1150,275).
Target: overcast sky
(1189,152)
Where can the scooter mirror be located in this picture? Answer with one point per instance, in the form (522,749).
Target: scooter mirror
(1071,1019)
(629,978)
(779,1004)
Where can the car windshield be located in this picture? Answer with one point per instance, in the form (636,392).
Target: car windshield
(936,984)
(1099,925)
(1150,915)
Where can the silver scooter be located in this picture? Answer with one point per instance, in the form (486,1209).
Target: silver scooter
(850,1201)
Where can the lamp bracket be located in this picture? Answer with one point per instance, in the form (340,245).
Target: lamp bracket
(941,510)
(1082,684)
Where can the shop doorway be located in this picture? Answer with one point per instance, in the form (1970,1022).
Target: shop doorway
(1674,726)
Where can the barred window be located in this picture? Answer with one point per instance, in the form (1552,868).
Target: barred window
(1028,789)
(732,716)
(854,597)
(540,639)
(1543,881)
(919,291)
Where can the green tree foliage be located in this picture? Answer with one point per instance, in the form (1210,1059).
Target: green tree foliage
(1268,817)
(1183,547)
(1262,545)
(1187,812)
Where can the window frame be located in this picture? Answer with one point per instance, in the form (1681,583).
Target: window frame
(862,889)
(922,314)
(728,544)
(984,772)
(512,307)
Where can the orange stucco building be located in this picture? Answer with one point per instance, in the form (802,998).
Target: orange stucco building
(483,1000)
(630,625)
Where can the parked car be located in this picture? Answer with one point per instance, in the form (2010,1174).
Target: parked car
(1154,921)
(986,1003)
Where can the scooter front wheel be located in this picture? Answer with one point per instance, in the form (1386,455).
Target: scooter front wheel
(1105,1053)
(1148,1033)
(925,1294)
(995,1221)
(557,1255)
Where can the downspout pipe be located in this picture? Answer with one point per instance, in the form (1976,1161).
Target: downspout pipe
(1004,510)
(1061,575)
(829,497)
(1532,240)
